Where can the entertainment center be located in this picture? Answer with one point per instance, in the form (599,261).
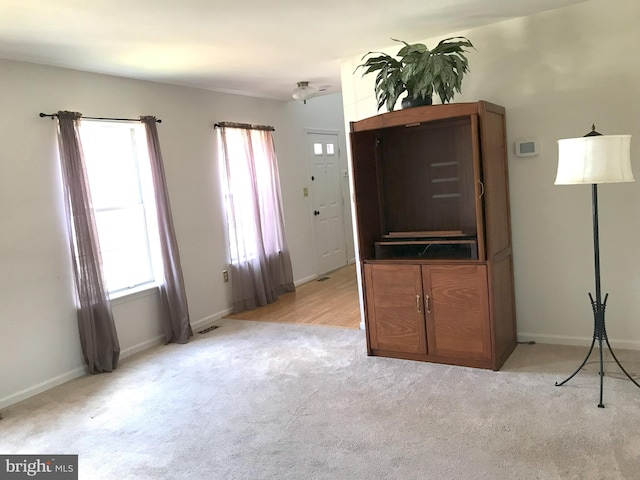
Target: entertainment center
(434,236)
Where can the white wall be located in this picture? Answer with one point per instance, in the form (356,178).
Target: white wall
(556,73)
(39,344)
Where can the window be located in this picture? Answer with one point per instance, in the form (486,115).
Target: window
(119,175)
(252,194)
(239,195)
(260,261)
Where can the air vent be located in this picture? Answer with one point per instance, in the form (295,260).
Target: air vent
(208,329)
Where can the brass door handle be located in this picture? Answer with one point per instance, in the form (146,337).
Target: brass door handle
(426,301)
(481,189)
(418,304)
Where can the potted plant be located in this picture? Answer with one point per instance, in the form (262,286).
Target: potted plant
(419,71)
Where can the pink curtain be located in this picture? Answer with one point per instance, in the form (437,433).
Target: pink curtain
(177,328)
(260,262)
(98,337)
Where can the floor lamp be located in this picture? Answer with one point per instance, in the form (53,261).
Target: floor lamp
(595,159)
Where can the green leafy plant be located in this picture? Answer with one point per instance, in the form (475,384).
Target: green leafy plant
(419,71)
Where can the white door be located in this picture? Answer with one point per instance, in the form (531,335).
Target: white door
(327,201)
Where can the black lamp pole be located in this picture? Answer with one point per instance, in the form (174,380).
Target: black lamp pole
(598,306)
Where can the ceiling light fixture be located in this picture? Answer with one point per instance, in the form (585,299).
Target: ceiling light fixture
(303,92)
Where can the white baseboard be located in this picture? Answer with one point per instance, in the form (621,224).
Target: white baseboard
(575,341)
(79,372)
(41,387)
(308,279)
(154,342)
(209,319)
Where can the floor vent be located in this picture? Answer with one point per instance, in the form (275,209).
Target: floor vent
(208,329)
(323,279)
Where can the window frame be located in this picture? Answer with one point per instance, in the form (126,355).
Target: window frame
(145,191)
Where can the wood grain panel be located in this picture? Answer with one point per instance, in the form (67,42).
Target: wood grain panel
(458,315)
(478,188)
(496,182)
(427,177)
(415,115)
(394,308)
(503,308)
(367,200)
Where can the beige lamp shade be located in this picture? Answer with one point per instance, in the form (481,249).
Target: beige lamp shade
(594,159)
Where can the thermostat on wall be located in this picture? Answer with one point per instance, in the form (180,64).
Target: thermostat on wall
(526,148)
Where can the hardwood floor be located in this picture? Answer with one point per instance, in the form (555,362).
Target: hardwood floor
(332,302)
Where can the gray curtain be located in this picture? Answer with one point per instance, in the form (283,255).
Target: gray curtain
(177,328)
(260,262)
(98,337)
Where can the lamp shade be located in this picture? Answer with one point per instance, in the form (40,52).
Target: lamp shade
(594,159)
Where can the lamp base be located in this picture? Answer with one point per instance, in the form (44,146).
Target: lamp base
(599,334)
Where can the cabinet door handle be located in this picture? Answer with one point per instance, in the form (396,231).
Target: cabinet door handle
(426,301)
(481,188)
(418,304)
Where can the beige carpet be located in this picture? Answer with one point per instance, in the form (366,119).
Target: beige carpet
(271,401)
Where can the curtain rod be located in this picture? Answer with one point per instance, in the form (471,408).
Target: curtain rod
(247,126)
(52,115)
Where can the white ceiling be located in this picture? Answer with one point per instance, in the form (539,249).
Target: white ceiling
(253,47)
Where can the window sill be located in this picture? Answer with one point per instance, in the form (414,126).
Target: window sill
(134,293)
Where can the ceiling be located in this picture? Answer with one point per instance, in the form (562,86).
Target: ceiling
(251,47)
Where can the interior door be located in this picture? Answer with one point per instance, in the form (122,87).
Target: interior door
(327,201)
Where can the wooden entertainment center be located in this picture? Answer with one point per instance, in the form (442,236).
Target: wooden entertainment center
(434,235)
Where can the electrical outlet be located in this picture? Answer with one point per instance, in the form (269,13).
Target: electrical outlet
(225,275)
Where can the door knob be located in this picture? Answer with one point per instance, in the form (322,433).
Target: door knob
(316,212)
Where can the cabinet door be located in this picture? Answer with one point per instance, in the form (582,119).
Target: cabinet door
(457,311)
(395,318)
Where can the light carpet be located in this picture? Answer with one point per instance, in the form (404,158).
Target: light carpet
(254,400)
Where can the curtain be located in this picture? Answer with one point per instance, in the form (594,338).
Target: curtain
(98,338)
(177,328)
(260,262)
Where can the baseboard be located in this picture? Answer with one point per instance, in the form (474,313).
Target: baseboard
(41,387)
(575,341)
(308,279)
(209,319)
(154,342)
(79,372)
(73,374)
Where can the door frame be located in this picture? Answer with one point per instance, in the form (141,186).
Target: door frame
(309,159)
